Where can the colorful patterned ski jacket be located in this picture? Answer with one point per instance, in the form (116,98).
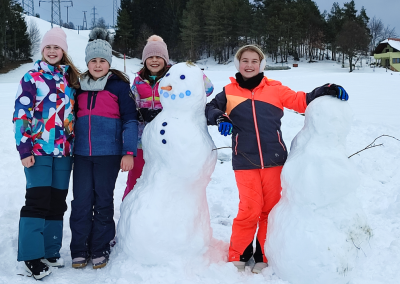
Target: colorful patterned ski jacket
(44,112)
(106,120)
(256,115)
(147,96)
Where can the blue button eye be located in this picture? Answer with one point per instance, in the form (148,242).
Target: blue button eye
(182,77)
(167,75)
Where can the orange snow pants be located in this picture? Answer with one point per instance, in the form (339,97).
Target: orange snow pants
(259,191)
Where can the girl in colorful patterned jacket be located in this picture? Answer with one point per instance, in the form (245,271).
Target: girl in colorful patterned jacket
(145,89)
(43,125)
(250,108)
(106,140)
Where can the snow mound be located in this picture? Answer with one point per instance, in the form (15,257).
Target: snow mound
(318,230)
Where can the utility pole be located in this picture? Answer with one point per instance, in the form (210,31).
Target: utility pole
(115,12)
(72,5)
(55,11)
(29,7)
(84,20)
(94,16)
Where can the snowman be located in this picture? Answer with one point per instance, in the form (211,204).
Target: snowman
(166,218)
(318,232)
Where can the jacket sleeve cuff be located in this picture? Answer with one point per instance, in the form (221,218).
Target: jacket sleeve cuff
(25,155)
(132,153)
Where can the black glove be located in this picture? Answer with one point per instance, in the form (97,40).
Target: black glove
(225,125)
(149,114)
(338,91)
(327,89)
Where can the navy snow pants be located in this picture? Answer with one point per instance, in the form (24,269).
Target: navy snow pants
(41,219)
(92,210)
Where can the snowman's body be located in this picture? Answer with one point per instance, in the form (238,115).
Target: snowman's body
(166,218)
(318,231)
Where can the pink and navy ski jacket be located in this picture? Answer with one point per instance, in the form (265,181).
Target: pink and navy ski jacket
(44,112)
(106,122)
(147,96)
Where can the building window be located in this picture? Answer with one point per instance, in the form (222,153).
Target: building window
(396,60)
(387,50)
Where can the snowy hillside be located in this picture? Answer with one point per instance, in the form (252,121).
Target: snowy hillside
(374,99)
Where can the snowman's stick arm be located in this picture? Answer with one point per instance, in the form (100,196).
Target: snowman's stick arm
(372,144)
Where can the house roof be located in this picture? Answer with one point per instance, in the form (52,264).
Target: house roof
(393,42)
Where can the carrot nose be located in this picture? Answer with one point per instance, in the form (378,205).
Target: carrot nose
(167,88)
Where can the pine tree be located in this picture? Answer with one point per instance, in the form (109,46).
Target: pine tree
(124,39)
(14,39)
(191,31)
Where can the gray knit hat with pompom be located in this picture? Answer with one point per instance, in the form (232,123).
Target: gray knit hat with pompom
(98,48)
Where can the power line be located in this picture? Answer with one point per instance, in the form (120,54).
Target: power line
(55,11)
(115,12)
(29,7)
(94,15)
(84,20)
(72,5)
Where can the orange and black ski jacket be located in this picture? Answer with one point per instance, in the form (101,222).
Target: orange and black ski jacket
(256,115)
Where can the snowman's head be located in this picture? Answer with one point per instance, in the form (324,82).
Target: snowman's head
(183,88)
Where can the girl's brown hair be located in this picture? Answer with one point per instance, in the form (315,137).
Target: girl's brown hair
(145,72)
(73,72)
(120,74)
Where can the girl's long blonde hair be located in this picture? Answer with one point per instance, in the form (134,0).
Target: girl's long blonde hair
(73,72)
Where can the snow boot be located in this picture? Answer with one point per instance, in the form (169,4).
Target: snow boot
(37,268)
(99,262)
(79,262)
(239,265)
(53,261)
(259,266)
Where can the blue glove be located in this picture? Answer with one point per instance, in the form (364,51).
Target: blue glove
(338,91)
(224,125)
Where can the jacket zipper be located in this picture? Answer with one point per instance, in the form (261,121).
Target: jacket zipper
(90,123)
(153,96)
(280,141)
(237,138)
(256,127)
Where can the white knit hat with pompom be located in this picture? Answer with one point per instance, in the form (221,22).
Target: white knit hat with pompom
(155,47)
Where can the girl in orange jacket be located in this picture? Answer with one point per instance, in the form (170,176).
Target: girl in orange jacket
(250,108)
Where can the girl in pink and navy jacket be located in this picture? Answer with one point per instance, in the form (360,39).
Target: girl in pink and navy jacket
(145,88)
(106,139)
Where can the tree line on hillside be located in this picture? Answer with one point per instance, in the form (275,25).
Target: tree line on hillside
(15,43)
(282,28)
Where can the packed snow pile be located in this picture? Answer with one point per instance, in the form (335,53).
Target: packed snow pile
(166,218)
(318,231)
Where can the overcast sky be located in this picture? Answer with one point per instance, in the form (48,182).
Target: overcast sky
(386,10)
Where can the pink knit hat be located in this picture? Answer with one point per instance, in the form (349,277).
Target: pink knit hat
(155,47)
(55,36)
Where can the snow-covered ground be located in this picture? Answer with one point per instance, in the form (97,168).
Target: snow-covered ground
(374,99)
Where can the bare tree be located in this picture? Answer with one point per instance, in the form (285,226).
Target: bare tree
(376,29)
(353,40)
(34,36)
(389,32)
(101,23)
